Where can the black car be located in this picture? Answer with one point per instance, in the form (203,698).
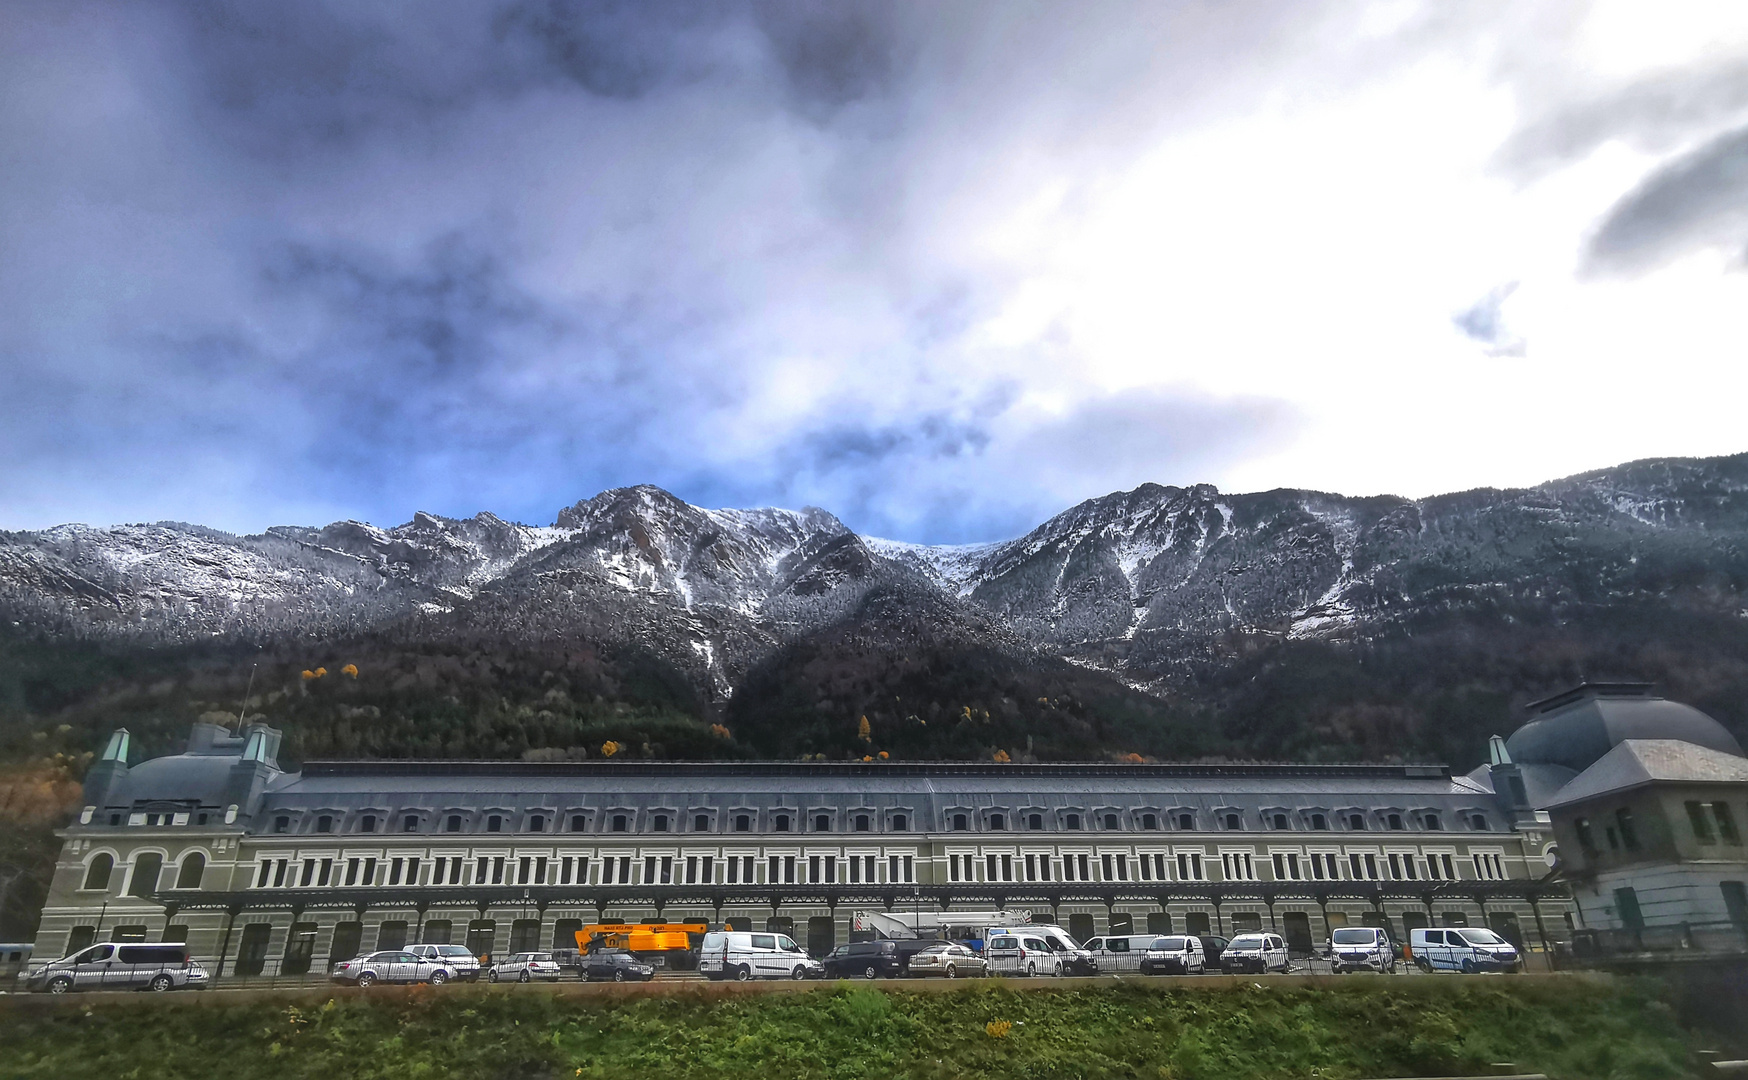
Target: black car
(864,960)
(616,967)
(1212,948)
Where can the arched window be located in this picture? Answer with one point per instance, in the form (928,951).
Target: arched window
(1319,822)
(1187,822)
(700,822)
(367,823)
(659,823)
(998,822)
(1478,823)
(193,866)
(1394,821)
(147,867)
(620,823)
(1356,822)
(410,823)
(743,823)
(1149,822)
(1232,822)
(536,822)
(1111,821)
(325,823)
(97,875)
(282,823)
(494,823)
(1280,822)
(1433,824)
(579,823)
(862,824)
(1071,822)
(781,824)
(900,823)
(822,823)
(453,824)
(1035,822)
(960,823)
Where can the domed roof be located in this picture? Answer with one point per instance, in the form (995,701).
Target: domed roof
(180,777)
(1575,729)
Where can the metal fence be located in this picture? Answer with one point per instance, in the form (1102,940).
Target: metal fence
(1686,940)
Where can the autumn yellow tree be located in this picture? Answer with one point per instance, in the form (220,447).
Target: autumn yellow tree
(350,669)
(609,748)
(864,731)
(1001,757)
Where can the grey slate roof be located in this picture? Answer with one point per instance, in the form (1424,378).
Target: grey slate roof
(1576,729)
(1636,762)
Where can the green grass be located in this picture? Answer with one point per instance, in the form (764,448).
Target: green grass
(1361,1028)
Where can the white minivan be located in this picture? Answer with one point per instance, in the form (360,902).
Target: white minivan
(1120,953)
(1021,952)
(1462,948)
(1174,954)
(1075,959)
(1361,948)
(1260,953)
(739,955)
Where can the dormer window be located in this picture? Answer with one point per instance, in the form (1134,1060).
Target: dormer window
(1149,822)
(1478,822)
(960,823)
(1071,822)
(1393,822)
(1319,823)
(1279,822)
(862,824)
(1432,823)
(700,822)
(1035,822)
(743,823)
(1233,823)
(1111,822)
(453,824)
(1186,822)
(781,824)
(659,823)
(367,823)
(410,823)
(325,824)
(900,823)
(621,823)
(579,823)
(822,823)
(1356,822)
(282,823)
(495,823)
(998,822)
(536,822)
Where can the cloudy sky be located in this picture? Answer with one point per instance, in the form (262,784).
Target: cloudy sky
(941,268)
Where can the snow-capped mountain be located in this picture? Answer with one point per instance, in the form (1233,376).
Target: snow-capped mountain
(1141,583)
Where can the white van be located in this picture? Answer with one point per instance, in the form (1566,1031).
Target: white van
(1261,953)
(1075,959)
(1120,954)
(1462,948)
(735,954)
(1361,948)
(1021,952)
(1174,954)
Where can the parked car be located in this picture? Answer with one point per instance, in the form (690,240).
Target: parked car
(1463,948)
(1076,960)
(1259,953)
(947,959)
(735,954)
(1119,954)
(392,966)
(1022,954)
(1213,951)
(112,966)
(1173,954)
(614,966)
(864,960)
(464,963)
(1361,948)
(525,967)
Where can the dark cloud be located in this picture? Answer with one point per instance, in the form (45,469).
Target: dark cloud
(1699,200)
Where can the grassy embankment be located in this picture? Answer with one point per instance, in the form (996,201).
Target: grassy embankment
(1567,1028)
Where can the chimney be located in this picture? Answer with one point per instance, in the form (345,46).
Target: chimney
(106,778)
(258,764)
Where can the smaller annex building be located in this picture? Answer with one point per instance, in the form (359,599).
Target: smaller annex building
(264,871)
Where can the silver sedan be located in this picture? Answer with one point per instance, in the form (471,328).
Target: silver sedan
(392,966)
(949,960)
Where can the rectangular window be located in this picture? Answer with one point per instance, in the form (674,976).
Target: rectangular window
(1105,865)
(1237,866)
(707,867)
(351,872)
(369,872)
(1189,866)
(788,869)
(909,869)
(412,871)
(892,868)
(774,870)
(989,868)
(327,872)
(524,869)
(855,871)
(649,870)
(309,873)
(498,870)
(540,871)
(1726,823)
(564,870)
(813,869)
(261,877)
(733,871)
(1701,822)
(394,871)
(1629,834)
(582,877)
